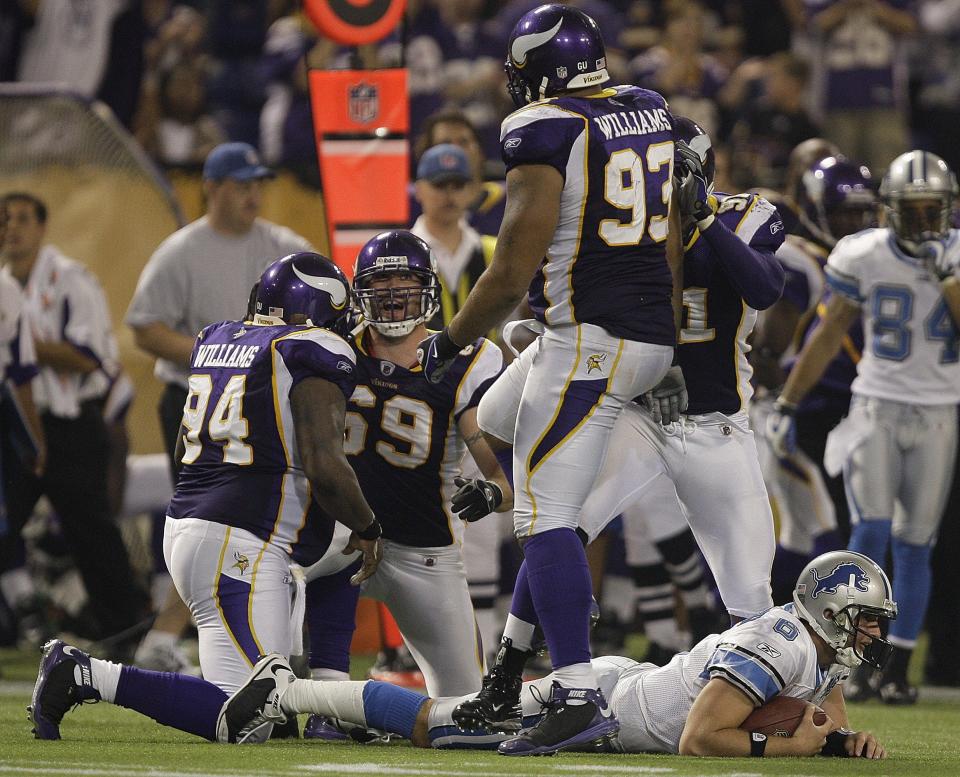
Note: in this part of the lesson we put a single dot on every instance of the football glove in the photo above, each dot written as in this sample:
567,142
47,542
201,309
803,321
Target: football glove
782,428
436,354
693,187
475,498
668,399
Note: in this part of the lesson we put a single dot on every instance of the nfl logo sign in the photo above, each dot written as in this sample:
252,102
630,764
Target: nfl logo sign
363,103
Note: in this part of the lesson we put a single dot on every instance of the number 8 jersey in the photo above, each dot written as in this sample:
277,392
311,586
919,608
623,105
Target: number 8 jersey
911,344
607,262
241,465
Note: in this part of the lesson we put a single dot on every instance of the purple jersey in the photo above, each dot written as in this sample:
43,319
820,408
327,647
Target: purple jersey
403,441
241,465
717,312
607,262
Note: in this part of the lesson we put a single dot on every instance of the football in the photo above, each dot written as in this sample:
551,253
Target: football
780,717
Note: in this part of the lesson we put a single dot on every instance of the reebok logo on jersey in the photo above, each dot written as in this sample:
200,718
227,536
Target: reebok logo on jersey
769,650
514,142
344,366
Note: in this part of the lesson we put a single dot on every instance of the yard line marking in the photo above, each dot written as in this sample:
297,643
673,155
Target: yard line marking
373,768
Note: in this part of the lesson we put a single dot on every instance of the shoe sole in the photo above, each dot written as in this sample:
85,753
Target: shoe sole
262,732
599,734
469,722
42,728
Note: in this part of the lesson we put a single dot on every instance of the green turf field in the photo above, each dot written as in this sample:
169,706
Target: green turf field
101,740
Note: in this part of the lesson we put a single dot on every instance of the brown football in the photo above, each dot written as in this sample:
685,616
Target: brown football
780,717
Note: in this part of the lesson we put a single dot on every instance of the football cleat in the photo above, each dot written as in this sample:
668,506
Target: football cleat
897,692
496,708
322,727
862,685
63,682
248,717
566,726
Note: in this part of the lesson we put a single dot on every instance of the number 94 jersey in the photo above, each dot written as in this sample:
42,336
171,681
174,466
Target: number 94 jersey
911,343
403,442
241,465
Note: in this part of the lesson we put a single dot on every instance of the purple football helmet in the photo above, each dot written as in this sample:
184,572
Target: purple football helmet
554,48
697,138
838,198
305,283
396,311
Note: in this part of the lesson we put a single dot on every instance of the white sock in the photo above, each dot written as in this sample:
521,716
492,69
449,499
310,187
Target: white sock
343,700
322,673
105,677
519,632
576,676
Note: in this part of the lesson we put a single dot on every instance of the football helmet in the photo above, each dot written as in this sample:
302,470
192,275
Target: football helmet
303,283
554,48
918,192
831,594
837,197
696,137
397,252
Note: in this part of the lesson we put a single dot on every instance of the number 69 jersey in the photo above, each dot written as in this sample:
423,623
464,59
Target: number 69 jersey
606,264
241,465
404,444
911,344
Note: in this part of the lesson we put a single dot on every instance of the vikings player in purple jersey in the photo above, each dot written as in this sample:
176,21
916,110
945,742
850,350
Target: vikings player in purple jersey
264,479
589,220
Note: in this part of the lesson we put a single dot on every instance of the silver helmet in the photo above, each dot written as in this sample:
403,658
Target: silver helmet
915,177
833,591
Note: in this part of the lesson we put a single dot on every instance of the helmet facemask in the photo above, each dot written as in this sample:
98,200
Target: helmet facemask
379,306
919,219
877,652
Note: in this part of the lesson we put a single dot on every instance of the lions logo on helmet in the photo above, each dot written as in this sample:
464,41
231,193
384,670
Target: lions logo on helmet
398,310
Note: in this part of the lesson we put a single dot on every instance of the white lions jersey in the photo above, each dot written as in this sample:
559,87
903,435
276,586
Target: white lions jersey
768,655
912,346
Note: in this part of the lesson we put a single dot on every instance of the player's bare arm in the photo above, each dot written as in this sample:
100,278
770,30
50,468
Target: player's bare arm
64,357
318,415
159,340
532,212
713,727
820,350
484,457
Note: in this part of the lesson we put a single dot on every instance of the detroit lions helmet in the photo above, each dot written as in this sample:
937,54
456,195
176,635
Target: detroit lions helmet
831,594
915,178
837,197
554,48
304,283
696,137
389,311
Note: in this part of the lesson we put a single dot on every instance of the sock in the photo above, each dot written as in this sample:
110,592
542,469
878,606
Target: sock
505,460
896,669
104,676
185,703
787,566
522,604
332,619
871,537
681,557
561,591
911,571
342,700
392,709
655,604
519,632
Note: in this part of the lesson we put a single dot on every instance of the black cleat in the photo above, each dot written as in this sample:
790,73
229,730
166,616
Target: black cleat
64,681
897,692
496,708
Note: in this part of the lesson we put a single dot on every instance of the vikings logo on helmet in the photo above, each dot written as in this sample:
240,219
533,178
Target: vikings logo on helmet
306,284
848,574
241,563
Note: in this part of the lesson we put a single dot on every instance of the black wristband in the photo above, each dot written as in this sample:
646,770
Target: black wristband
758,744
836,744
446,348
372,532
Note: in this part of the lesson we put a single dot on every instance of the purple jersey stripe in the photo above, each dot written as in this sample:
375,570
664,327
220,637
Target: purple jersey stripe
579,400
233,601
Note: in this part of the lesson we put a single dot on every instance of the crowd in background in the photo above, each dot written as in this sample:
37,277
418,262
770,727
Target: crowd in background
759,76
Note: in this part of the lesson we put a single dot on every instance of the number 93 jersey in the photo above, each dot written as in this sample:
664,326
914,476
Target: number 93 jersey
241,465
606,264
404,444
911,344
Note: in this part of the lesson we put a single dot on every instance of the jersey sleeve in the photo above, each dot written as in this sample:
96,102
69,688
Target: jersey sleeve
761,227
844,269
484,369
760,657
804,278
319,354
540,135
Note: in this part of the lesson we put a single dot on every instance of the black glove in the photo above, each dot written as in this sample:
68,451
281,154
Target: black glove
836,744
436,354
475,498
693,188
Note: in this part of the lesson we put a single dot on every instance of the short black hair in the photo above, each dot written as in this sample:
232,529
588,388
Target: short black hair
39,206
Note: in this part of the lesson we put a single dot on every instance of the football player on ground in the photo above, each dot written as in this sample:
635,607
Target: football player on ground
588,218
694,705
263,475
405,439
897,445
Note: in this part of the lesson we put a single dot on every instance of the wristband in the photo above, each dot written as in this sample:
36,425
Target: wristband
785,408
758,743
836,744
372,532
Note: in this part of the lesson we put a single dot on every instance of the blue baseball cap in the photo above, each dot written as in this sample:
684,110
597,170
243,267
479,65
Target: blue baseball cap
239,161
443,163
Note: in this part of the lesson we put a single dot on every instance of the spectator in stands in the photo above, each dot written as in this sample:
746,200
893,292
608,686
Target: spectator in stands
860,65
76,355
201,274
771,127
174,126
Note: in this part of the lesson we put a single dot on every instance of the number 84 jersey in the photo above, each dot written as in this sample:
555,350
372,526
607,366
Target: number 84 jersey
911,343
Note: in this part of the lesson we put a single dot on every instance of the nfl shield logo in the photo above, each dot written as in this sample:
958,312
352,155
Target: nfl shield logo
363,103
387,368
561,72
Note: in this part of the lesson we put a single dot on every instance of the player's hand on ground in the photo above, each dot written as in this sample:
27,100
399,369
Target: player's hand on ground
436,353
782,429
863,744
372,551
669,397
809,737
475,498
